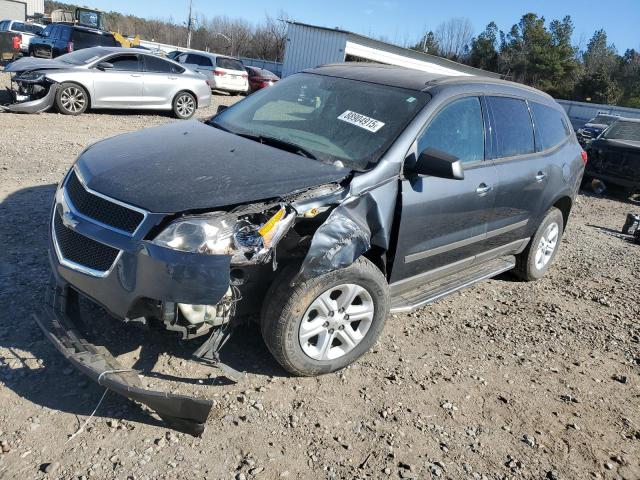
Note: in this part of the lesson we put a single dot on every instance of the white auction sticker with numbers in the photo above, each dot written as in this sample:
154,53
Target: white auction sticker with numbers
361,121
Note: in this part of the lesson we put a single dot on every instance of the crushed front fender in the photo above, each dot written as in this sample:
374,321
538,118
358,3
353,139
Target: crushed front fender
183,413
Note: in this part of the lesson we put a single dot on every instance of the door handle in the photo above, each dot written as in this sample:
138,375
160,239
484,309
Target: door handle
172,78
136,75
540,176
483,189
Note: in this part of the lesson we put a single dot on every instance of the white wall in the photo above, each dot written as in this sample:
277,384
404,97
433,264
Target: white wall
308,47
35,6
581,112
12,10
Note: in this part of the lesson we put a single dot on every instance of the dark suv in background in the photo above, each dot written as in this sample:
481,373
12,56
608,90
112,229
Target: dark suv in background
60,38
384,190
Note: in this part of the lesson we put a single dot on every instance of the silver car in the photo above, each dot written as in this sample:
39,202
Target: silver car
105,77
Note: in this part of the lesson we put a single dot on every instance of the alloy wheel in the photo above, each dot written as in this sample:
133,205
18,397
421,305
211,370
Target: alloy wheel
185,105
336,322
547,245
73,99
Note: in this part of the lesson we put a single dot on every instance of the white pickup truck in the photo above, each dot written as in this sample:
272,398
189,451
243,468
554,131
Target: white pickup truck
26,31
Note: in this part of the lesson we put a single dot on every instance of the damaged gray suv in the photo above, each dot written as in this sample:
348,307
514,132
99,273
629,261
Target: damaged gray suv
318,206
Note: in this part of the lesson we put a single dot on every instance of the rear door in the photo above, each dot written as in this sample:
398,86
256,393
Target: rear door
523,172
120,86
161,80
443,222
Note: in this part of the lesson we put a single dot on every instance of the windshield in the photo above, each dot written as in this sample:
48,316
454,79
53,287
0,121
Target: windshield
330,119
603,120
84,56
622,130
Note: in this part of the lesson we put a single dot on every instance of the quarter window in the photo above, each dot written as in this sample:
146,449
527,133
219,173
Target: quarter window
229,64
157,65
550,125
513,127
458,130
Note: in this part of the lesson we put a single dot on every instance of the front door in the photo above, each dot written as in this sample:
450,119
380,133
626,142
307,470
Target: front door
443,222
120,86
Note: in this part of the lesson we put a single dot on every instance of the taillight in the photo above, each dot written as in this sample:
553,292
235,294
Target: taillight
69,47
17,40
585,157
245,75
219,73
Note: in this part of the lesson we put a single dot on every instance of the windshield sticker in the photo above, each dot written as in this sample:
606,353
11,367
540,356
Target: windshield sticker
361,121
411,99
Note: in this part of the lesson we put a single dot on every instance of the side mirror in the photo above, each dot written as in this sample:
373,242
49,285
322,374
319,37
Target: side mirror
104,66
436,163
221,108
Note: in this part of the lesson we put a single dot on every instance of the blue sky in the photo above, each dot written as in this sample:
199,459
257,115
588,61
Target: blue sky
404,20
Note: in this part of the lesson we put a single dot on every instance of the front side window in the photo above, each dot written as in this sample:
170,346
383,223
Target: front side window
18,27
47,31
125,63
458,129
550,124
512,125
332,119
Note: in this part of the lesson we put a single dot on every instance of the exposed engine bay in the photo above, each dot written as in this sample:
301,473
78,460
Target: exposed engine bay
31,92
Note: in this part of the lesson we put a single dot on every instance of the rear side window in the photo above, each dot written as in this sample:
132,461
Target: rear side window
550,125
85,39
458,130
512,125
157,65
32,28
18,27
229,63
127,63
199,60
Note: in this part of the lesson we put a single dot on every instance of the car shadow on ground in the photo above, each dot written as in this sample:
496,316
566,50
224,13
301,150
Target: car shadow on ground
33,369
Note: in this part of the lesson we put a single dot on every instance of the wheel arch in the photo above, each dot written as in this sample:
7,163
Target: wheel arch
564,204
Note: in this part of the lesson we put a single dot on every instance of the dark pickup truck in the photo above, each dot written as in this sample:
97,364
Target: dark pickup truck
614,157
60,38
9,46
391,189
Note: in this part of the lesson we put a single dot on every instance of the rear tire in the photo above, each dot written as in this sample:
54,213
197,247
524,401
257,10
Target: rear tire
184,105
72,99
295,309
534,262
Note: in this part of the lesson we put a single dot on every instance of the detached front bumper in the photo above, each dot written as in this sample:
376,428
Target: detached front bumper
57,322
33,106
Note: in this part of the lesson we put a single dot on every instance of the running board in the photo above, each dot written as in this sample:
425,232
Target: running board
432,291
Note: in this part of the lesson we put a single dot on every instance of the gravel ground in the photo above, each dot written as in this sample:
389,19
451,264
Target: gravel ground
503,380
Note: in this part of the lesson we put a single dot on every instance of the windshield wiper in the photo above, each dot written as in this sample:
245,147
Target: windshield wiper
279,143
266,140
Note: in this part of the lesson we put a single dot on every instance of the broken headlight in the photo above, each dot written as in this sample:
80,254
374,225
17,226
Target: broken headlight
245,237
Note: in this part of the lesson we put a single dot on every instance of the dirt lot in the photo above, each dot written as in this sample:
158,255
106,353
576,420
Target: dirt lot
504,380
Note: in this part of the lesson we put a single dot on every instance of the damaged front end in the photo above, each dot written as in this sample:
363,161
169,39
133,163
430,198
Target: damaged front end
31,92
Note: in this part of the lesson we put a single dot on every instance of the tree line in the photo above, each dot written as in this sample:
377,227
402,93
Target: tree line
533,51
542,55
221,34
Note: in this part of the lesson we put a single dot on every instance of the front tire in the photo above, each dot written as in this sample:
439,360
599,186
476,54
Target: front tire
184,105
325,323
72,99
534,262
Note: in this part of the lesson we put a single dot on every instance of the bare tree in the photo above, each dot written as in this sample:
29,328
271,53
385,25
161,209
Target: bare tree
454,37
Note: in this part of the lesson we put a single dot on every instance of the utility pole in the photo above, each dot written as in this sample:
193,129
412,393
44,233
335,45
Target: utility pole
189,25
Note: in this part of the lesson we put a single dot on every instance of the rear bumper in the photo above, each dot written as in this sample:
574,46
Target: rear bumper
56,320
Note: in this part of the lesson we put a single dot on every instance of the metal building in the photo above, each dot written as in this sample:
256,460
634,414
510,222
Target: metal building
309,46
20,9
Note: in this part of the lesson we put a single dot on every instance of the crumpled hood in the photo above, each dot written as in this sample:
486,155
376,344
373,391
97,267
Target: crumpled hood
189,165
27,64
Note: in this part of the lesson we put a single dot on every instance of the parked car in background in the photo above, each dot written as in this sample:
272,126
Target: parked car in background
9,47
172,55
225,73
260,78
614,157
595,127
107,77
393,189
25,30
61,38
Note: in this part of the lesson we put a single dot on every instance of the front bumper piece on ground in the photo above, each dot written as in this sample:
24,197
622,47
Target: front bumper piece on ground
56,320
33,106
